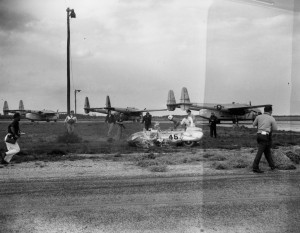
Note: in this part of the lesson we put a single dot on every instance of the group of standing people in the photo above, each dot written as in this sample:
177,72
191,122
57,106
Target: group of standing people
111,120
265,124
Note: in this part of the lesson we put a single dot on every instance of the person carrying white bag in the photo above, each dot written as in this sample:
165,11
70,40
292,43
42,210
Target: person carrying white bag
13,133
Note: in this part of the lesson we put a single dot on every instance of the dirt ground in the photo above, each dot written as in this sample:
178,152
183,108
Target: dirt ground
35,214
102,167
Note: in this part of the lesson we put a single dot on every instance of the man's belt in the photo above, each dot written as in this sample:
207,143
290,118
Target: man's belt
264,133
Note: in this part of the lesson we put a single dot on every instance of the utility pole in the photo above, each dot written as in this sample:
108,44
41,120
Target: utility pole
75,91
70,12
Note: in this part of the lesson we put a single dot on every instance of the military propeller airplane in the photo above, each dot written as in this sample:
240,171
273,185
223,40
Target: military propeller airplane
234,112
33,115
130,113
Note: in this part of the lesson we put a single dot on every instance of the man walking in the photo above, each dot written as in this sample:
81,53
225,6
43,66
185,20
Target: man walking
265,124
213,125
13,133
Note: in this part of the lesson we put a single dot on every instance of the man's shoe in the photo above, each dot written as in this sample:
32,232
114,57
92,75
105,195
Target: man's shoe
258,171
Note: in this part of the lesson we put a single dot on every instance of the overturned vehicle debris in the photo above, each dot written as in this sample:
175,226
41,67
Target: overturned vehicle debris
146,139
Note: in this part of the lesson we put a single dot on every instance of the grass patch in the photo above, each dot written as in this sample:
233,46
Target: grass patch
208,155
42,140
293,157
286,167
69,138
158,168
57,152
240,163
220,166
148,163
217,158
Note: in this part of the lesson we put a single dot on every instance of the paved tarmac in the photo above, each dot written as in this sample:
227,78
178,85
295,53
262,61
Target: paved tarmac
208,203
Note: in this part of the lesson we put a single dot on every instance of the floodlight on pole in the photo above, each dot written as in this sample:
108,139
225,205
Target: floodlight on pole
70,13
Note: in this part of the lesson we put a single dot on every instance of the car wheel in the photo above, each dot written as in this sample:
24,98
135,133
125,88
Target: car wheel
189,143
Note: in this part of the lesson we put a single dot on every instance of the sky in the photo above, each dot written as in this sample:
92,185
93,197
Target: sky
135,51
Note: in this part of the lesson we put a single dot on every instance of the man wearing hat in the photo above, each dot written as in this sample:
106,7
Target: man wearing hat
13,133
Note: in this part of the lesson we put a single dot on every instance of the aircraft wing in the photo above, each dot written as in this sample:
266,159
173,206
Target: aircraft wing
22,112
248,106
134,110
225,107
154,110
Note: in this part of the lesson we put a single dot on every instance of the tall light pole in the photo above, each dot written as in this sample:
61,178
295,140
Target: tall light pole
75,91
70,12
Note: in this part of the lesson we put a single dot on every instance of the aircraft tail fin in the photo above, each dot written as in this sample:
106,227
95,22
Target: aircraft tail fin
171,102
5,108
21,105
86,105
184,99
108,104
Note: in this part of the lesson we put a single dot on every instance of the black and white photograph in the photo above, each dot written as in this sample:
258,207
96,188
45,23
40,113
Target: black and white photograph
132,116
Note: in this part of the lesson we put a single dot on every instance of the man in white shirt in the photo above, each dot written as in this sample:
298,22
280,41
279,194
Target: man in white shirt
265,124
70,122
191,118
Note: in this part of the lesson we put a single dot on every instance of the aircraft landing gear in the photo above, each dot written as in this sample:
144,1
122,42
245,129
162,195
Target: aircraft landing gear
235,121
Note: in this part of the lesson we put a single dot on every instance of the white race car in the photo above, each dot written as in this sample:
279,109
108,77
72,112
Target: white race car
150,138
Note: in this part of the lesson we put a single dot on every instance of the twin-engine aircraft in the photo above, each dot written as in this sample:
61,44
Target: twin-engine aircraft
130,113
224,112
33,115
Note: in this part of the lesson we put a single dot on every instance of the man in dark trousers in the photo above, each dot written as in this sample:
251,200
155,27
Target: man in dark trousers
213,125
265,124
147,119
14,133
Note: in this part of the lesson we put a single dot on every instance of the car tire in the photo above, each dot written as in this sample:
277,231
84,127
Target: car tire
189,143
